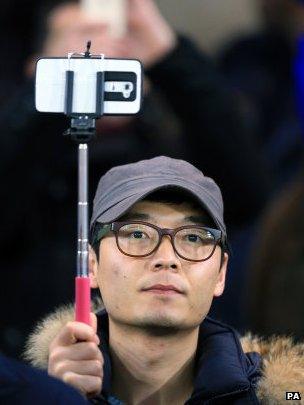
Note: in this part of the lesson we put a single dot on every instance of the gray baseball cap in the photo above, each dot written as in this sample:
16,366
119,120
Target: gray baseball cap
123,186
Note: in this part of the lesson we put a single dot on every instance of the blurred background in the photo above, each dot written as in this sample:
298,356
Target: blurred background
223,89
212,23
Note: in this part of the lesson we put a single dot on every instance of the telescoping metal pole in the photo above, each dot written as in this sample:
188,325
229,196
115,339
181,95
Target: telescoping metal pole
82,307
82,130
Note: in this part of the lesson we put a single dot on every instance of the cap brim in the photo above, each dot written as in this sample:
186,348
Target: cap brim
128,201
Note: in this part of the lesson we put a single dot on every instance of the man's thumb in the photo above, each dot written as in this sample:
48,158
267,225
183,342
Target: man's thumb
93,318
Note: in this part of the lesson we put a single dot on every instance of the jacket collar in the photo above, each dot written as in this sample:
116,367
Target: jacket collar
222,368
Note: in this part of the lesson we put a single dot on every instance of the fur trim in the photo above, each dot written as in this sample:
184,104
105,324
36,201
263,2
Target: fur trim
282,368
37,345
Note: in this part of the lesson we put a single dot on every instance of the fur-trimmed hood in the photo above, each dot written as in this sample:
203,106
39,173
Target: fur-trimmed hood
282,360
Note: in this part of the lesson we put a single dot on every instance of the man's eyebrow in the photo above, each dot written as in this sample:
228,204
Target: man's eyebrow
135,216
193,219
199,219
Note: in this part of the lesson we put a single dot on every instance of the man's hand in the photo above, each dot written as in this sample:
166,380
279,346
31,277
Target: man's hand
69,29
74,357
149,36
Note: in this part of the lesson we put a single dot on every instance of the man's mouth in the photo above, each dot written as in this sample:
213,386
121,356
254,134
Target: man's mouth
163,289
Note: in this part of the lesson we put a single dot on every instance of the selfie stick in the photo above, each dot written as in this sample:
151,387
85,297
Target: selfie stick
82,130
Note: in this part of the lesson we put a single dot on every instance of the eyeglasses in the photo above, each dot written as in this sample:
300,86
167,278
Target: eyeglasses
139,239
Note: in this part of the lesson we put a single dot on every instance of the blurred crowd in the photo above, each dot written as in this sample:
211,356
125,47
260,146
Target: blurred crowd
235,115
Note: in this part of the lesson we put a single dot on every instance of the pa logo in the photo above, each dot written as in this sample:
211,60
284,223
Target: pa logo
293,396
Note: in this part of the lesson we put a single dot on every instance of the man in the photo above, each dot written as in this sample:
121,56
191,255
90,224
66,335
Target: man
159,255
266,71
261,68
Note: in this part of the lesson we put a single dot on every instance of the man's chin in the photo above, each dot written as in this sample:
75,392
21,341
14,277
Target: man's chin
160,324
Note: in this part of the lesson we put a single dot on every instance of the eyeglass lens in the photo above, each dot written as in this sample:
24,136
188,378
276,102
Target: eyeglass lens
141,239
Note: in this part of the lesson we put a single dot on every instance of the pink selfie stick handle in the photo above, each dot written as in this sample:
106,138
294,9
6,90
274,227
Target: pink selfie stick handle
82,300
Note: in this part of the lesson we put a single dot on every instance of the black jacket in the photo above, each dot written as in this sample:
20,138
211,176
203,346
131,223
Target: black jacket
261,69
224,374
228,369
24,385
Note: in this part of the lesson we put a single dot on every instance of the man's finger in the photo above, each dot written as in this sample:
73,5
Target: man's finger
73,332
77,352
85,384
90,368
93,319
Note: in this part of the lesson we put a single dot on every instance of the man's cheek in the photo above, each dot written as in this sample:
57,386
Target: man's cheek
110,270
119,273
115,282
200,301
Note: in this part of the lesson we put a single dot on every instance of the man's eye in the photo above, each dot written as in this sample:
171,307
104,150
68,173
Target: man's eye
137,235
193,238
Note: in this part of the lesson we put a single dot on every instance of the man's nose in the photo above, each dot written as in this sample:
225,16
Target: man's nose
165,257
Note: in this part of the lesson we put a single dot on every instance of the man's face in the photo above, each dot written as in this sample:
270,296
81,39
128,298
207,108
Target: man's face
123,280
281,14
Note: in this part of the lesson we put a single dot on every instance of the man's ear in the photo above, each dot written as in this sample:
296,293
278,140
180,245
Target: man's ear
220,285
93,268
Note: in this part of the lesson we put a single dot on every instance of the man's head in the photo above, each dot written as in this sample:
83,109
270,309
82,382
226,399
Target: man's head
163,257
283,16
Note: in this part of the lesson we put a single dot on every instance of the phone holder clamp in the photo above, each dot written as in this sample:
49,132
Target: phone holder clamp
83,125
